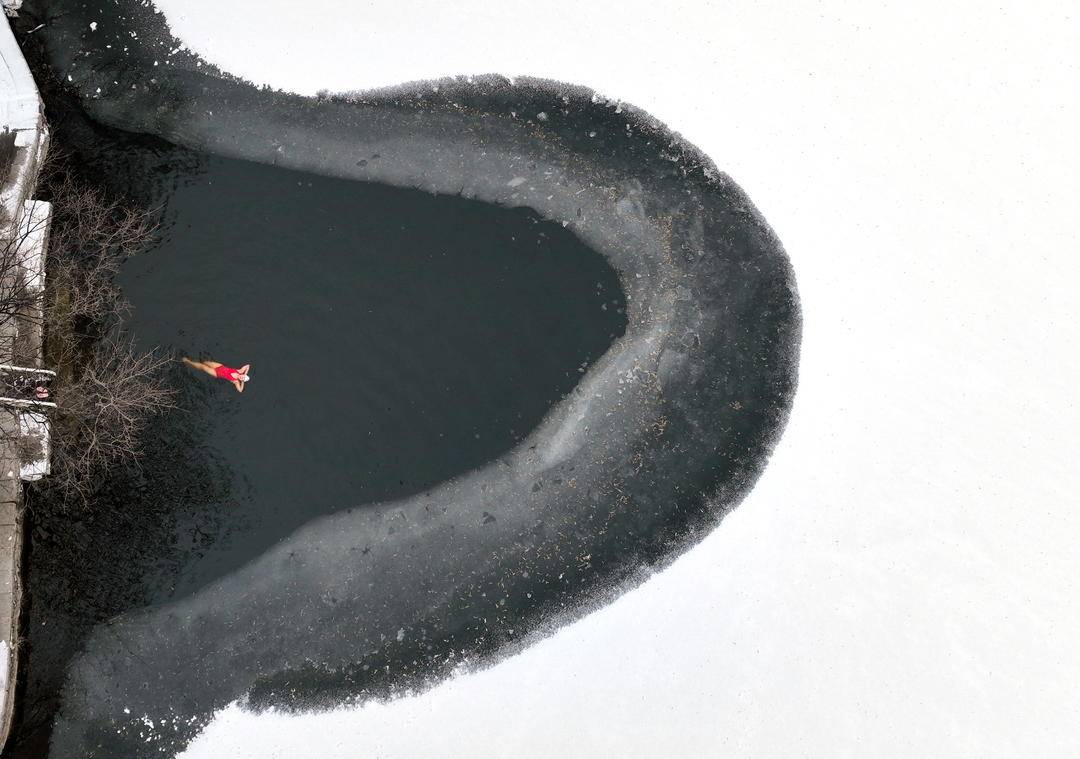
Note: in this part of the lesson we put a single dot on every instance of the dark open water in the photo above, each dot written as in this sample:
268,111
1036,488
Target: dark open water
396,339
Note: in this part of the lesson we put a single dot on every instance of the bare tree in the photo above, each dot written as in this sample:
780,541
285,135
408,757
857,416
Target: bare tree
92,235
102,414
106,391
20,300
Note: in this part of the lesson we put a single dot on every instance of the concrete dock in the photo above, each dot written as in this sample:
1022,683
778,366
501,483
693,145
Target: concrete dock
23,143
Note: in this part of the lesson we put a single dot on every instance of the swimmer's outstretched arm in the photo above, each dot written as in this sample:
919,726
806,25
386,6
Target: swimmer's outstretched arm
239,385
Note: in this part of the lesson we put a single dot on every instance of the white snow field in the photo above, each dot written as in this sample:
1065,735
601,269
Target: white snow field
903,580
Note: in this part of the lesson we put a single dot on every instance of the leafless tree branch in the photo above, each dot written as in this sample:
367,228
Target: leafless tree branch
106,391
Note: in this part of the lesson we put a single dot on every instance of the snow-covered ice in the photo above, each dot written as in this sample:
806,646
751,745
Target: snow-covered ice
902,581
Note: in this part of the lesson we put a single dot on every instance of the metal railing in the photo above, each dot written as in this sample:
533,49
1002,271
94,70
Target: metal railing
44,374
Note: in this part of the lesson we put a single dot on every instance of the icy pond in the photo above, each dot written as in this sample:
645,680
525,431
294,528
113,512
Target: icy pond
514,347
397,339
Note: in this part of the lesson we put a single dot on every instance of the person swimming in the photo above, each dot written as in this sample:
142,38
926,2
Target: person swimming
215,369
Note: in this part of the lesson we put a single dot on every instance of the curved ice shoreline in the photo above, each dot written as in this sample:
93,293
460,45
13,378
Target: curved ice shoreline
662,436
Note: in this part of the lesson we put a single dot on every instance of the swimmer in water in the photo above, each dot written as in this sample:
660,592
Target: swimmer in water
236,376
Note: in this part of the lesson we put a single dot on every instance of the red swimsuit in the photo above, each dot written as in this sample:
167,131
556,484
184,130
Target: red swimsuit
227,373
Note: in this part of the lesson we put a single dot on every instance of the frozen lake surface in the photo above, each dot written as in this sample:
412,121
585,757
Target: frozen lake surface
312,603
397,339
902,581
